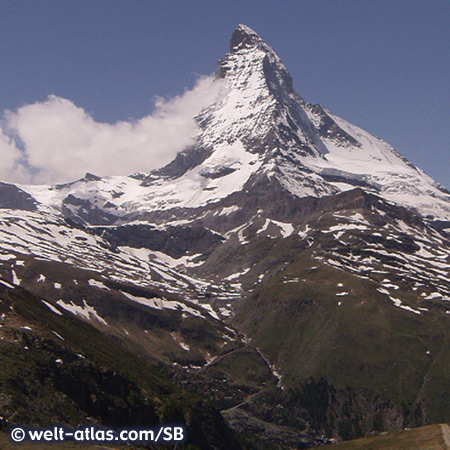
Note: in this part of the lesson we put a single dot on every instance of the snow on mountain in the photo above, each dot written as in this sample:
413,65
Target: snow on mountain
375,163
258,136
47,237
258,127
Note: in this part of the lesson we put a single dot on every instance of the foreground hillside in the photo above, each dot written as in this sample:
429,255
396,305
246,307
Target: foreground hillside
432,437
55,368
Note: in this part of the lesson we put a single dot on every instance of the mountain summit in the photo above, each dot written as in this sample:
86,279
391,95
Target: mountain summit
244,36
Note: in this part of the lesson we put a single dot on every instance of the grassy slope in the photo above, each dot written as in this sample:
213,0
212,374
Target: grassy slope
424,438
365,342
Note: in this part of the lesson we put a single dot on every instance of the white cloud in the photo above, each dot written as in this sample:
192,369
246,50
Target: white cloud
11,168
61,141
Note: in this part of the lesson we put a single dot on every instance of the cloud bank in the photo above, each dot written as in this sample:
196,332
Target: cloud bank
56,141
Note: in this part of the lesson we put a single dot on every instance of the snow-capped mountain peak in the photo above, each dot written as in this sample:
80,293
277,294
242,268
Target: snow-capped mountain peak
310,151
258,130
244,36
259,98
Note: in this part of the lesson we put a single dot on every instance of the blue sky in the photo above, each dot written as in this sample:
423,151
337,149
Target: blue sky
383,65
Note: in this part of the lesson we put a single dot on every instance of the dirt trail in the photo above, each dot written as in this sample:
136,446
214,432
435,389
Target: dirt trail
446,435
219,358
247,400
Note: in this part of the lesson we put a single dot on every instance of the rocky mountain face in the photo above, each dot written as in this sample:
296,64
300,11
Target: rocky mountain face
290,264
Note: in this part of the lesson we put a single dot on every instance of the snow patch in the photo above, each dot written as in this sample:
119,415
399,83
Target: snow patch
15,279
228,210
6,284
97,284
58,335
162,303
86,311
236,275
52,308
